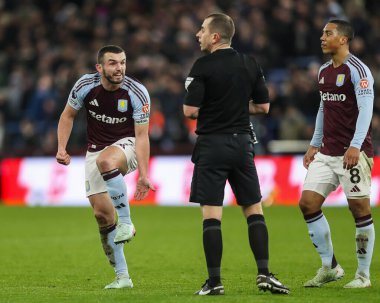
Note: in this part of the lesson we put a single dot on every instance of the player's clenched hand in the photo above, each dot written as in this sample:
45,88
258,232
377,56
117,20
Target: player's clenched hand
142,188
63,157
351,157
309,156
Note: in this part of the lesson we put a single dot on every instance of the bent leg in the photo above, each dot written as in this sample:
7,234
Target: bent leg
112,164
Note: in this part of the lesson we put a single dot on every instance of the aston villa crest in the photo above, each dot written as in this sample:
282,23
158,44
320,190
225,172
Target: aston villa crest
122,105
339,80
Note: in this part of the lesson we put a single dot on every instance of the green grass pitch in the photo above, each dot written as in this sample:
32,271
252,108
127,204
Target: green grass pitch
54,255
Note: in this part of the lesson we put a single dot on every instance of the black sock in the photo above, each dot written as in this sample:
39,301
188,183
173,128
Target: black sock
213,248
258,239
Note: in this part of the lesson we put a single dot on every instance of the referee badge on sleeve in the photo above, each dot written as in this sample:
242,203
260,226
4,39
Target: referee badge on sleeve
188,82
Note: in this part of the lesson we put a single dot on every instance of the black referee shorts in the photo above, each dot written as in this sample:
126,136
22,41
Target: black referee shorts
219,158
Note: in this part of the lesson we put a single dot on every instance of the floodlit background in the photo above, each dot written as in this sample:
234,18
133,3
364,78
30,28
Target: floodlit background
45,46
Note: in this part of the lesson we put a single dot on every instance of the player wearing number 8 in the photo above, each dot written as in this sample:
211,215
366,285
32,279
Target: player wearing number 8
341,153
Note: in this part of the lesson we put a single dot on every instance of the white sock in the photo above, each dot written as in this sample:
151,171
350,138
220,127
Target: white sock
319,232
114,252
365,239
118,192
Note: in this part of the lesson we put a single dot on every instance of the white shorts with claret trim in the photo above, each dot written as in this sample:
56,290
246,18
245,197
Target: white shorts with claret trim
326,173
94,181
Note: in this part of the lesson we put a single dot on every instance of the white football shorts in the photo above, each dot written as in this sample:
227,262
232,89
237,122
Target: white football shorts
94,181
326,173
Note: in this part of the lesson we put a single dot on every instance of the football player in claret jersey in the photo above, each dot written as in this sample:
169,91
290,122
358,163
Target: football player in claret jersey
341,153
117,108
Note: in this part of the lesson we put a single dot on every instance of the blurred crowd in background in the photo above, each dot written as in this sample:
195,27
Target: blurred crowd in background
45,46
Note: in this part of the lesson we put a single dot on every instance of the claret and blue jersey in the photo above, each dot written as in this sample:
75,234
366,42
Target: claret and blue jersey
345,91
111,115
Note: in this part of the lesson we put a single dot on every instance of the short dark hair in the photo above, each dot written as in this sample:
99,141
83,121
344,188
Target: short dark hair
223,25
344,28
108,49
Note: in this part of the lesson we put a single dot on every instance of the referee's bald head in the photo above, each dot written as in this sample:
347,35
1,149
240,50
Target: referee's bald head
223,25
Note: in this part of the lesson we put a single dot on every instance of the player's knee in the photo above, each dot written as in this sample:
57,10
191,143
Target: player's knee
359,208
306,206
104,164
255,209
310,202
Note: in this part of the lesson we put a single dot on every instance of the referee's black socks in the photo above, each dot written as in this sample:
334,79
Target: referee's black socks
258,240
213,247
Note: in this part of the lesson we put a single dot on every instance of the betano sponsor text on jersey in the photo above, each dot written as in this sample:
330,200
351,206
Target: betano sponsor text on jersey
332,97
107,119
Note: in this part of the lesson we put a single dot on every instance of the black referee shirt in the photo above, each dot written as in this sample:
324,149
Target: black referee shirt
221,86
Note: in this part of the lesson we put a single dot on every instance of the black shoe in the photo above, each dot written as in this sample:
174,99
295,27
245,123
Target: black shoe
210,291
270,283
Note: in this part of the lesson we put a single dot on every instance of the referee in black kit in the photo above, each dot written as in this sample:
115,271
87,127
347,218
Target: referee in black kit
223,89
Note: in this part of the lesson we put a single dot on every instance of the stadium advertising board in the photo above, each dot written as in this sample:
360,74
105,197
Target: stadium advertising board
43,182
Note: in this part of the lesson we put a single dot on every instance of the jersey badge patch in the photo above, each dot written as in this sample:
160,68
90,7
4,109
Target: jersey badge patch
339,80
122,105
145,108
188,81
363,83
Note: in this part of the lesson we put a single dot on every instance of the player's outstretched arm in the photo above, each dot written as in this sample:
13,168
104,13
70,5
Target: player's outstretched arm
65,126
142,154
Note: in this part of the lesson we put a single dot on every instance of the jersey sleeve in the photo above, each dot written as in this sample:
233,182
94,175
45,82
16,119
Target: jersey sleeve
318,130
260,94
317,138
363,85
141,103
78,93
195,86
